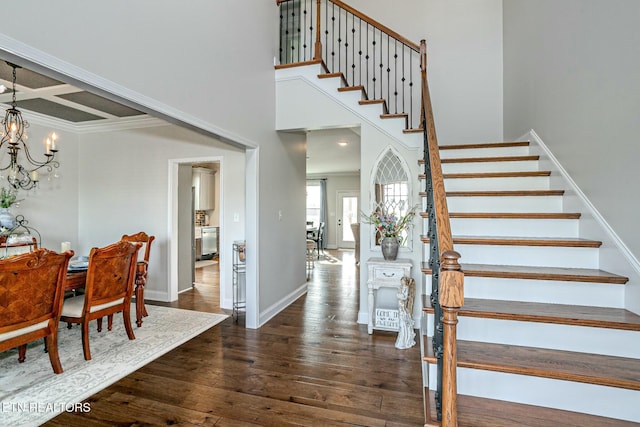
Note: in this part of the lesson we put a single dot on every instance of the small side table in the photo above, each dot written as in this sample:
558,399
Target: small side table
383,273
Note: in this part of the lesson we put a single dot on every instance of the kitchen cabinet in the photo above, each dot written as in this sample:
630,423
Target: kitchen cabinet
204,184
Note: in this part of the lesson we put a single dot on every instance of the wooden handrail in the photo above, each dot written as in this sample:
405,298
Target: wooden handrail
451,277
366,19
376,24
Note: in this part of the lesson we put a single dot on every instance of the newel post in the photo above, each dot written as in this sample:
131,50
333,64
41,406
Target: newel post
451,299
318,45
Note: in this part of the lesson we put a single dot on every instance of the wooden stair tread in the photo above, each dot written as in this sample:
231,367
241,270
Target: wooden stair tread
524,174
485,145
585,275
515,215
490,159
350,88
564,314
394,116
480,412
371,101
543,273
329,75
611,371
523,241
415,130
506,193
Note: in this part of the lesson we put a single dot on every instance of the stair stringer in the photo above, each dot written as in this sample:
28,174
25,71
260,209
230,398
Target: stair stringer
548,392
614,255
306,102
392,128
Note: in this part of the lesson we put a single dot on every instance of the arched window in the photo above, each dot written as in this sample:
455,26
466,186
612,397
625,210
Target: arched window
391,187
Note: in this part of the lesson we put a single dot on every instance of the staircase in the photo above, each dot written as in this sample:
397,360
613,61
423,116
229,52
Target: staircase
543,338
542,326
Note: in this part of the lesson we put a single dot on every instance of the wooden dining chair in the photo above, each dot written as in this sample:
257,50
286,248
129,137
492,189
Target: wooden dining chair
108,289
143,268
31,295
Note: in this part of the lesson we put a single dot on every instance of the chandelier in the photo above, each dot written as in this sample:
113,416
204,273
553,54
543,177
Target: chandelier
14,136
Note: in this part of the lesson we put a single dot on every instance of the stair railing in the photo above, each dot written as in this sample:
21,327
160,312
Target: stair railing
362,51
447,278
368,55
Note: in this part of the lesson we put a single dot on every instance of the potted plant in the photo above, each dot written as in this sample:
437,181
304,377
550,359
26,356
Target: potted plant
7,198
390,226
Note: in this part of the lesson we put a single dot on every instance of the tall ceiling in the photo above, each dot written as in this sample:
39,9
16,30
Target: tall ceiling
41,94
49,97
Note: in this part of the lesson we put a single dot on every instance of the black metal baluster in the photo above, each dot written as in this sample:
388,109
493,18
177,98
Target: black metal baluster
282,61
340,42
326,33
411,88
404,107
353,49
389,70
373,64
333,37
367,57
360,50
304,32
395,74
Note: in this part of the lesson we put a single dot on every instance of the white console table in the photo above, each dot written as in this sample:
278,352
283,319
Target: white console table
383,273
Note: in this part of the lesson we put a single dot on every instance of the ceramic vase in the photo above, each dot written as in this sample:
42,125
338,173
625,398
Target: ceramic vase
390,246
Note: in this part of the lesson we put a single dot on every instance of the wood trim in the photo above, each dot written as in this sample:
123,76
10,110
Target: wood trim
611,371
377,25
298,64
486,145
516,215
522,241
491,159
506,193
525,174
557,314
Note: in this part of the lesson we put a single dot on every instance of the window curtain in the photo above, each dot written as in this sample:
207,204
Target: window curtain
323,210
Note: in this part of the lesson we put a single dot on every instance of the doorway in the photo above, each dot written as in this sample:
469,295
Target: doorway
348,209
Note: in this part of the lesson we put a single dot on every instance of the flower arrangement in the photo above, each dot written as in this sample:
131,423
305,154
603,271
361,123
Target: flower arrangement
7,197
390,224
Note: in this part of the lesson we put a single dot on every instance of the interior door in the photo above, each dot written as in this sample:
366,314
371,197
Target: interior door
348,213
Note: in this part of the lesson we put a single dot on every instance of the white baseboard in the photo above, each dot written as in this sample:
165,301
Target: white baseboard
276,308
153,295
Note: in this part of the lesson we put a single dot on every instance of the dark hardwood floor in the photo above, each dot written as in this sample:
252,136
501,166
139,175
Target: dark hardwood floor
311,365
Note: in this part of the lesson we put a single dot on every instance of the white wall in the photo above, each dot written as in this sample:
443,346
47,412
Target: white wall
335,183
209,65
464,55
129,192
571,74
53,209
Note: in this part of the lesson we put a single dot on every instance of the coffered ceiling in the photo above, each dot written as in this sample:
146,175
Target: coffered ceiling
78,108
41,94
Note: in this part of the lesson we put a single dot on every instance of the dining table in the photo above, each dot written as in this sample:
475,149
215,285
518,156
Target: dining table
77,278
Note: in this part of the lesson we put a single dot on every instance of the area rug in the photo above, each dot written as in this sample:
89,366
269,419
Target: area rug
30,393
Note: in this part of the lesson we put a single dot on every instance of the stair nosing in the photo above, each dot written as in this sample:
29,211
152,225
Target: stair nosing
515,215
523,241
492,159
485,145
465,360
555,274
536,316
505,193
480,175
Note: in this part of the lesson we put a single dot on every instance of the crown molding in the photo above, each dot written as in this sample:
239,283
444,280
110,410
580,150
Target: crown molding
25,55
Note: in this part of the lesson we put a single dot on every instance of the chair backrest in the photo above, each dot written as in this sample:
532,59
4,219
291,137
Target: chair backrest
32,288
143,238
321,230
310,223
111,274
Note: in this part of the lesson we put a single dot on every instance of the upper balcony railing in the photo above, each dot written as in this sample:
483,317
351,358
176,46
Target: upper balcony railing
365,52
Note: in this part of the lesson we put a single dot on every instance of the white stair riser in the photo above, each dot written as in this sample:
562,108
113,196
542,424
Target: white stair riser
495,184
570,396
546,291
514,227
529,255
612,342
484,152
529,165
543,291
505,204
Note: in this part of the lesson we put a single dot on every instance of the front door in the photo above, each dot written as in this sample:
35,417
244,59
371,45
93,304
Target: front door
347,215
